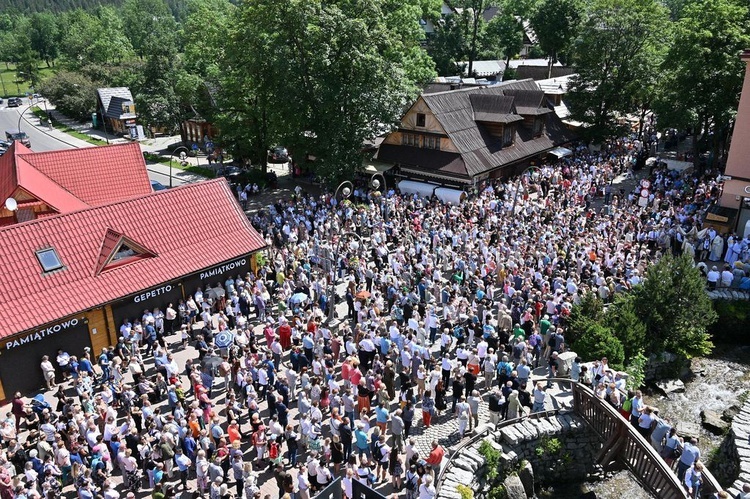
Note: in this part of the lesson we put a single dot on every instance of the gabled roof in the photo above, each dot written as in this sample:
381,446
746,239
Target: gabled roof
106,94
114,110
183,238
73,179
479,150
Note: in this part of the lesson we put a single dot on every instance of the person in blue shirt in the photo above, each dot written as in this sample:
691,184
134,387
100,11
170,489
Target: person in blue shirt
385,345
381,417
363,446
104,364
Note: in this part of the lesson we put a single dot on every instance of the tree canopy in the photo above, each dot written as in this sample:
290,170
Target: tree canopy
320,77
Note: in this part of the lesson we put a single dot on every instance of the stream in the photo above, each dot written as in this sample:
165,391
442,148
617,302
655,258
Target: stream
724,376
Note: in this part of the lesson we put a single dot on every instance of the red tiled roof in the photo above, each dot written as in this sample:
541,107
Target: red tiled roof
95,175
184,238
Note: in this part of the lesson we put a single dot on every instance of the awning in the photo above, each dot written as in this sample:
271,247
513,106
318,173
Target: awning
422,189
561,152
673,164
450,196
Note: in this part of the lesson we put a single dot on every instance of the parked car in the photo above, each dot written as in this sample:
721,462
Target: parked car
231,173
14,102
1,100
18,135
278,154
158,186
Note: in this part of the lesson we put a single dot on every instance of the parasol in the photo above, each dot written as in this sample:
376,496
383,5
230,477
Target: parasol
362,295
224,339
298,297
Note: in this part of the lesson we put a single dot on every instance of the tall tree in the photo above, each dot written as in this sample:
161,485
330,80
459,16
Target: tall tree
333,73
619,43
556,24
150,26
44,35
504,35
472,15
701,76
673,304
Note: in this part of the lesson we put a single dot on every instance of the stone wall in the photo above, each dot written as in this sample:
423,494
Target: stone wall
559,448
735,451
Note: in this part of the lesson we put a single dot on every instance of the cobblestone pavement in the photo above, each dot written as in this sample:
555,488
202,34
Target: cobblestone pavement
444,428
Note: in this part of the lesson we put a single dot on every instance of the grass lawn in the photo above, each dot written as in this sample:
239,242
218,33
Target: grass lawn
198,170
8,86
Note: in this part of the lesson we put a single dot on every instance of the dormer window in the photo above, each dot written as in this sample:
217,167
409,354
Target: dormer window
538,126
49,259
508,133
421,120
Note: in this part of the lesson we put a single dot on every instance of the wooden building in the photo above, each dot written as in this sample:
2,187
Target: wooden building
86,256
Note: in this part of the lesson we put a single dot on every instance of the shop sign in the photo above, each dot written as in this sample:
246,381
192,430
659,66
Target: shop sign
223,268
152,293
747,189
42,333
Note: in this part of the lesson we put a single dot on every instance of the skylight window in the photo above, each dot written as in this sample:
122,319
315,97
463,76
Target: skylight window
49,260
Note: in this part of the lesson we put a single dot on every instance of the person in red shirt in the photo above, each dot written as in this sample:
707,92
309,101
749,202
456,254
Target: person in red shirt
436,457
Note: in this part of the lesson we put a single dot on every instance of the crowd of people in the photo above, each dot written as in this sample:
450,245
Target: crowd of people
449,309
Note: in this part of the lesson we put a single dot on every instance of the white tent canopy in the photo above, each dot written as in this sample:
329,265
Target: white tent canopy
561,152
450,196
422,189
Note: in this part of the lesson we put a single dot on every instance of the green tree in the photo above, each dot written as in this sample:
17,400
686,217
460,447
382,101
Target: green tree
597,341
44,36
334,74
619,42
447,46
556,24
73,94
673,304
622,318
503,35
150,27
589,311
701,76
111,45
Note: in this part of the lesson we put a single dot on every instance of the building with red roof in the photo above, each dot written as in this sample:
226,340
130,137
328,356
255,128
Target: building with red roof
73,272
48,183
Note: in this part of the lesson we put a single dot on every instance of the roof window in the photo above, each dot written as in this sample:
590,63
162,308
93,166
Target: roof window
49,259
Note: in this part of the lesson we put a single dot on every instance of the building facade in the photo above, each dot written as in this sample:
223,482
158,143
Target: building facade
735,198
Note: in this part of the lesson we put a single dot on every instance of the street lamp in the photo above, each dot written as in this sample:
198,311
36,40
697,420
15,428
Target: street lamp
336,256
518,187
171,157
375,185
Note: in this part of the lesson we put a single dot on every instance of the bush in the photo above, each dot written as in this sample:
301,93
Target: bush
673,304
491,459
733,321
597,341
582,316
622,318
465,492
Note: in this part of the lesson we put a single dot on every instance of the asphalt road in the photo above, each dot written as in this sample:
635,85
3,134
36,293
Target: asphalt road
40,141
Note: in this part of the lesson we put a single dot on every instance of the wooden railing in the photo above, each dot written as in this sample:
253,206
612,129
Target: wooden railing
623,445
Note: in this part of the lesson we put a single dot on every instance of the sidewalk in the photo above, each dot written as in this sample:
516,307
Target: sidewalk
34,121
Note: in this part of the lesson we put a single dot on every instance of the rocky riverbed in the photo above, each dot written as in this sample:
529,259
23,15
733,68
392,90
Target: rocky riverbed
719,383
